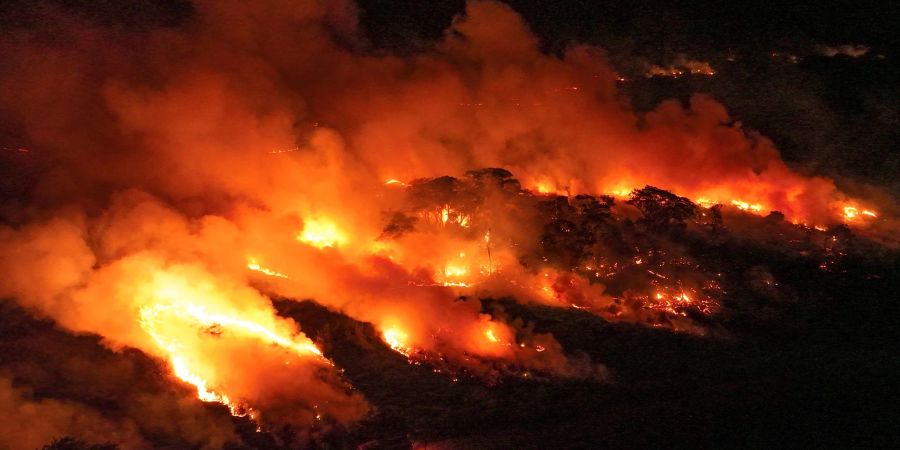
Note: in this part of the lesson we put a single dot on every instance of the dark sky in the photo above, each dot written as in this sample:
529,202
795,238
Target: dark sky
658,24
647,24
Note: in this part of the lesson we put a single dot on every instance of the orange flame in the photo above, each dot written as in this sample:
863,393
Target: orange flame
321,233
254,265
178,312
397,340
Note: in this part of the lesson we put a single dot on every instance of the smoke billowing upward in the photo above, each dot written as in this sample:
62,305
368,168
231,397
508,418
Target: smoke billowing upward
180,176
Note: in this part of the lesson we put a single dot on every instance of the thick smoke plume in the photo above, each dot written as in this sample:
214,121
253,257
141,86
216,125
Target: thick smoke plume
261,134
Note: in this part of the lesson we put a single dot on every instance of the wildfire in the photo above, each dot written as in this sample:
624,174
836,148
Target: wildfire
455,271
852,212
253,265
847,213
658,71
677,302
681,65
179,325
621,192
699,68
445,216
453,274
397,340
458,270
548,187
186,179
494,339
321,233
746,206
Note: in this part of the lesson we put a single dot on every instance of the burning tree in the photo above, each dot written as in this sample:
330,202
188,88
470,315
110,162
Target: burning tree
662,210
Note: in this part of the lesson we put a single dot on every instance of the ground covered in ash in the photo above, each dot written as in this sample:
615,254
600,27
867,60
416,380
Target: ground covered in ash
801,350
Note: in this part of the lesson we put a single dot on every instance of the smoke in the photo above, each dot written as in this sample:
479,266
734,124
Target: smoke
196,111
265,132
30,423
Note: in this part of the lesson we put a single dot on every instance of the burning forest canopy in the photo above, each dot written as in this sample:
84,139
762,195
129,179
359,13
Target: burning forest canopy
248,227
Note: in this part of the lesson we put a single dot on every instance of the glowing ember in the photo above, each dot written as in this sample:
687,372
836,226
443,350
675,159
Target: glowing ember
681,65
321,233
699,68
678,302
658,71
